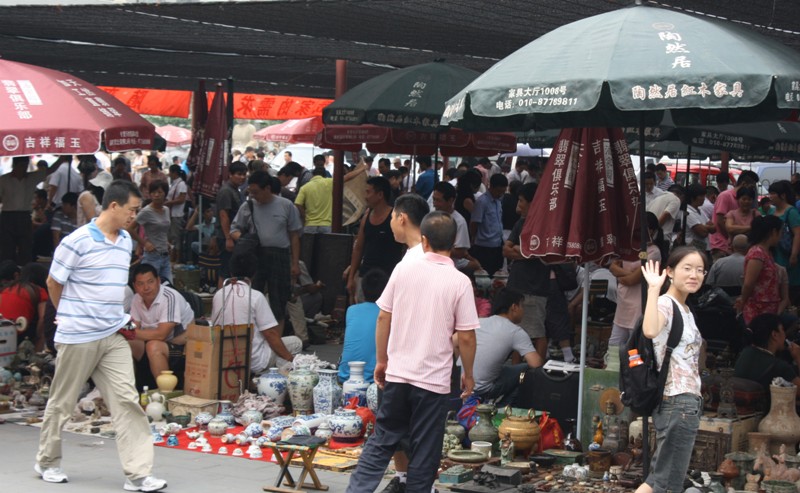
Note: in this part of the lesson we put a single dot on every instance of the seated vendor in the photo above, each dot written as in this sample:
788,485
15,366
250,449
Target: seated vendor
161,315
759,362
237,304
497,337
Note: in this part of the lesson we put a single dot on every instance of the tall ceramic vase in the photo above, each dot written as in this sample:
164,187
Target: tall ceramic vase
782,421
301,389
327,393
356,386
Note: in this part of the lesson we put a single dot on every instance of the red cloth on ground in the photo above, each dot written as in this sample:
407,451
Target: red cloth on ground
216,443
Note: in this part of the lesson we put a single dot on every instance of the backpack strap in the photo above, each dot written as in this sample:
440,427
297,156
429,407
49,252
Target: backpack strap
675,334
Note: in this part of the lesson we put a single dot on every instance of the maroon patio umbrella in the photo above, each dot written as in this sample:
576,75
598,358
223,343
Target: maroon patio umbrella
299,131
212,170
587,205
44,111
175,136
199,118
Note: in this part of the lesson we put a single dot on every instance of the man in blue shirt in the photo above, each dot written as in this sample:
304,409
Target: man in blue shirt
424,186
486,226
359,334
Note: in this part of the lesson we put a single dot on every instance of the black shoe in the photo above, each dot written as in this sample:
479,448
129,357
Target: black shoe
394,486
306,345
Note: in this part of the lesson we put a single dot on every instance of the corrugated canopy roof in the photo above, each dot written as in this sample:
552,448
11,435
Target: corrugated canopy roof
289,47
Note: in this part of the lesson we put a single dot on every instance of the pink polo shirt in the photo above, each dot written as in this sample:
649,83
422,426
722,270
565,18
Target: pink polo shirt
726,202
428,299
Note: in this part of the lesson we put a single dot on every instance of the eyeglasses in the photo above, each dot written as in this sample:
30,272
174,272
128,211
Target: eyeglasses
699,271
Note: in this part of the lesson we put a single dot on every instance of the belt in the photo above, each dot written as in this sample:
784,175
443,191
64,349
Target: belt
155,252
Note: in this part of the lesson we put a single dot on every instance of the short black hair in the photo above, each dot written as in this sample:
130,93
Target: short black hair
762,328
158,185
661,167
695,190
440,230
649,175
447,190
70,198
8,269
141,269
384,161
504,299
291,168
20,161
244,265
498,180
152,158
677,189
373,284
320,158
745,191
318,172
237,168
261,179
175,168
747,176
120,191
381,184
527,191
723,178
413,206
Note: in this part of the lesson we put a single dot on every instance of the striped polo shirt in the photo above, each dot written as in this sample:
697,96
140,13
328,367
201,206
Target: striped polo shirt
428,299
94,273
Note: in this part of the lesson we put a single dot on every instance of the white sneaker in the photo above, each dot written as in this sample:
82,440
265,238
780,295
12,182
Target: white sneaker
150,483
51,474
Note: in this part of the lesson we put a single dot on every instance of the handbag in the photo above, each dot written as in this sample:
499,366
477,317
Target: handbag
550,433
787,236
248,242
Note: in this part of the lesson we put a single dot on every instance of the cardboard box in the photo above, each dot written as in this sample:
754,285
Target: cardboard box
736,428
210,354
8,344
192,406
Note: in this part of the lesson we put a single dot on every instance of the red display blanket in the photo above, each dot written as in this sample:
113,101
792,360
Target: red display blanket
216,443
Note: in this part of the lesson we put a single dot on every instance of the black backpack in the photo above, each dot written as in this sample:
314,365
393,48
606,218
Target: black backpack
642,386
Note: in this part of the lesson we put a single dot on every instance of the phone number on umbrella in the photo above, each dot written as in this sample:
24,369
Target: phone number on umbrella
509,104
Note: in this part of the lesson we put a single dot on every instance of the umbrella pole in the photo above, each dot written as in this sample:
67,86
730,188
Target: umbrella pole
584,323
643,257
686,186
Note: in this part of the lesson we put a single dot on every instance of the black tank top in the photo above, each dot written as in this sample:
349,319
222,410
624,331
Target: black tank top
380,249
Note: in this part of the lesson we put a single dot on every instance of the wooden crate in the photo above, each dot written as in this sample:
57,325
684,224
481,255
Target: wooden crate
737,429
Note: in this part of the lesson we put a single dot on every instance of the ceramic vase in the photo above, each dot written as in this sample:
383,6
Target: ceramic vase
346,425
356,386
782,421
327,393
217,427
484,430
226,414
273,385
155,410
372,397
202,419
301,389
250,416
166,381
324,431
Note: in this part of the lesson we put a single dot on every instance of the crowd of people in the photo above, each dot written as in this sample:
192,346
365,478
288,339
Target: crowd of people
420,243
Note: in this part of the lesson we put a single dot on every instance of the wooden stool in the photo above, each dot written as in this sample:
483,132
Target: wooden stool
307,454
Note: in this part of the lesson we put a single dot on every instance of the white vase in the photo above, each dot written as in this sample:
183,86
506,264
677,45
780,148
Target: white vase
346,425
356,386
327,393
273,385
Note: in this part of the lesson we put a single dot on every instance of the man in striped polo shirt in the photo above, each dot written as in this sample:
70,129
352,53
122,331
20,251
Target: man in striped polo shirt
426,300
87,286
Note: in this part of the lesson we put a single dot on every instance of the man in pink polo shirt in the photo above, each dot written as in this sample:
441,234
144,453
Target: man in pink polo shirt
425,302
726,202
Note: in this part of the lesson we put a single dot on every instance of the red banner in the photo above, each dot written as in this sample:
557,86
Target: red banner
162,102
212,169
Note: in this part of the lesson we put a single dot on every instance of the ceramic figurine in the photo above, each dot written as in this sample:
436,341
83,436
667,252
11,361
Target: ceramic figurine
356,386
273,385
327,393
598,429
506,449
752,482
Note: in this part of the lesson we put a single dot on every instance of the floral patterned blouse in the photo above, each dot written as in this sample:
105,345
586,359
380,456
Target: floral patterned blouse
766,294
684,368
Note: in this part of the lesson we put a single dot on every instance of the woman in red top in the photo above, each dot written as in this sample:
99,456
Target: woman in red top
761,288
27,298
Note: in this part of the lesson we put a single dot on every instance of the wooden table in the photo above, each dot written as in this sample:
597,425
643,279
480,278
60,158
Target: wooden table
306,453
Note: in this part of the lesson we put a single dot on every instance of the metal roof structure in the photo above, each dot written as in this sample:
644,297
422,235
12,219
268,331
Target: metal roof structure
289,47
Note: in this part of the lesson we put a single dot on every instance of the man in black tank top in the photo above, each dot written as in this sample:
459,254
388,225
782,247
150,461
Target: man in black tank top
374,245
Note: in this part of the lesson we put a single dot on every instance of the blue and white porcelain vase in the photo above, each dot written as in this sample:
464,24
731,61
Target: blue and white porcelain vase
356,386
346,425
273,385
225,413
301,389
372,397
327,393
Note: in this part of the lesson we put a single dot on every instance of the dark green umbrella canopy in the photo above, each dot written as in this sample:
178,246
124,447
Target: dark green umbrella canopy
412,97
615,68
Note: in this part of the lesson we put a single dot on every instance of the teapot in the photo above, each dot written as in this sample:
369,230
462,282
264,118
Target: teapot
155,410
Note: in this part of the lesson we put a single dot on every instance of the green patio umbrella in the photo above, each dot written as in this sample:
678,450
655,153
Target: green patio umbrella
411,97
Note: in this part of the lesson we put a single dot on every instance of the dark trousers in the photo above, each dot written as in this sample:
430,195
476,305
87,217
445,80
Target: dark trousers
274,273
404,410
16,236
491,258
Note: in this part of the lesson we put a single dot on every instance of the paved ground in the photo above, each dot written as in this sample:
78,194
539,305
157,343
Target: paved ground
93,465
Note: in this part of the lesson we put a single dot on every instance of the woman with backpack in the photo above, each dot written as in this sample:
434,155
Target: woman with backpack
786,255
677,418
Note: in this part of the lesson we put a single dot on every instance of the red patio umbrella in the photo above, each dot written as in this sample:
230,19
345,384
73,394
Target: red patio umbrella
44,111
212,170
587,205
291,131
175,136
452,142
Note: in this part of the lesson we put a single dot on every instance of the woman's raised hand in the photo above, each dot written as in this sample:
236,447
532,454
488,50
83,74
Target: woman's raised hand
653,274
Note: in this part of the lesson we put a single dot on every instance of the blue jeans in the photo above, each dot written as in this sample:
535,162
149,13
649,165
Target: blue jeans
161,262
676,424
310,230
506,386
